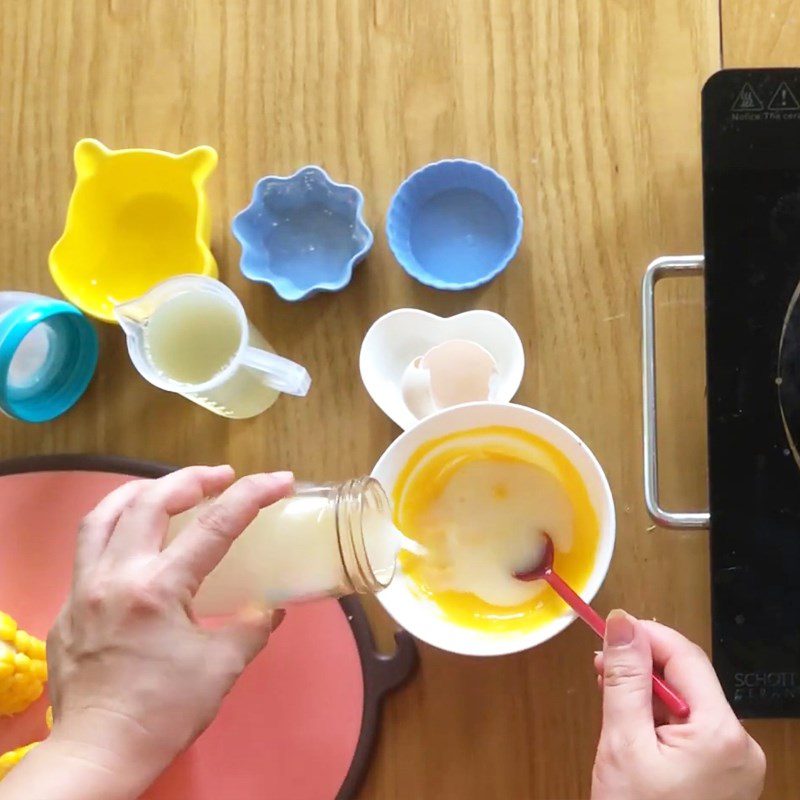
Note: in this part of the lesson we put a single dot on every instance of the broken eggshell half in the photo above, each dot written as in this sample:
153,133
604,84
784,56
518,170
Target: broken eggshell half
414,363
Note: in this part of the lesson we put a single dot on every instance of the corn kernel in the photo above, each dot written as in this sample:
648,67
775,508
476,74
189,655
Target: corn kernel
6,669
37,649
22,662
8,628
38,670
48,717
21,641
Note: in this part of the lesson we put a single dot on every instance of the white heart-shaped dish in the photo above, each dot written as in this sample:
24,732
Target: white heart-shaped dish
397,338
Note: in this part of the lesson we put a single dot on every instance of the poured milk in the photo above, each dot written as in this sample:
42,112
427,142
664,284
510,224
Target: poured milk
486,525
192,337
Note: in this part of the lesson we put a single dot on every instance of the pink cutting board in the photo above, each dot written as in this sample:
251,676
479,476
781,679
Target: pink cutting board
300,722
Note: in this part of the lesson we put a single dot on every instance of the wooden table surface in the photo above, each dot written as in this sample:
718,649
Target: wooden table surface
590,109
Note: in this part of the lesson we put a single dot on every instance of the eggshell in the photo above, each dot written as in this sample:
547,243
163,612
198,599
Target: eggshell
415,385
460,372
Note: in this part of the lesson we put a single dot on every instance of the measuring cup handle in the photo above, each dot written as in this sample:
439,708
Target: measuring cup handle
280,373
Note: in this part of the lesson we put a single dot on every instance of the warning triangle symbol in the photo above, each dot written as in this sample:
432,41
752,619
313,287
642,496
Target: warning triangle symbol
747,100
784,99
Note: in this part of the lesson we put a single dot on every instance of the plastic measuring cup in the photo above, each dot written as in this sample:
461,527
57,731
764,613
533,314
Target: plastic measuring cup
48,355
246,384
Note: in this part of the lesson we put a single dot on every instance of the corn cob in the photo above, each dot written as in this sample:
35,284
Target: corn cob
23,667
10,759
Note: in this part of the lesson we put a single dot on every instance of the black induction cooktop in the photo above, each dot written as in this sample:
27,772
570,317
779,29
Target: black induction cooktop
751,177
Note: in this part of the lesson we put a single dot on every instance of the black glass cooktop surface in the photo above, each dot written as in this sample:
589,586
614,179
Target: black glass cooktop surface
751,176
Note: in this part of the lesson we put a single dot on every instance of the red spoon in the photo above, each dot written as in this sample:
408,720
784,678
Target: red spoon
675,704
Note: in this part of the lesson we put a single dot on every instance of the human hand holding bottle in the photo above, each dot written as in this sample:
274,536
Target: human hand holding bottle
645,755
133,678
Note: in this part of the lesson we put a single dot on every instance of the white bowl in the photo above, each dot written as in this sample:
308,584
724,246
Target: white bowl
421,617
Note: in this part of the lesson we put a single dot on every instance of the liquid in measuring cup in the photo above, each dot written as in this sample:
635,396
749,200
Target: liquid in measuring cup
192,337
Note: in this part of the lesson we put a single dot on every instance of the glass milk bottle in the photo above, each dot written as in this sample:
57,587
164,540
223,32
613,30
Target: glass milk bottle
324,541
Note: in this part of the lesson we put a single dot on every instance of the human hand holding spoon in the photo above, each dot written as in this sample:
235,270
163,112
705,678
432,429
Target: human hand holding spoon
675,704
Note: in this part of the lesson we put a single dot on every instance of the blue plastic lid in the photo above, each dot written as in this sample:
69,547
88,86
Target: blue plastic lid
48,355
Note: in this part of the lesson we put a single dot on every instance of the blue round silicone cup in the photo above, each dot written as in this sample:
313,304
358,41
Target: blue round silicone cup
454,224
48,355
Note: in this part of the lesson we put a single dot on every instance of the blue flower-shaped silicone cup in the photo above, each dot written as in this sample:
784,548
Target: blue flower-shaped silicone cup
454,224
302,234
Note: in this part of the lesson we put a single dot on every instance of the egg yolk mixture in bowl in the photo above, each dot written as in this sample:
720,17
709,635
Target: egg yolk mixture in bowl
478,501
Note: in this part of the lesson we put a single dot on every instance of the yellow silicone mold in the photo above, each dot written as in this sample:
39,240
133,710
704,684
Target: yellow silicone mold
135,218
